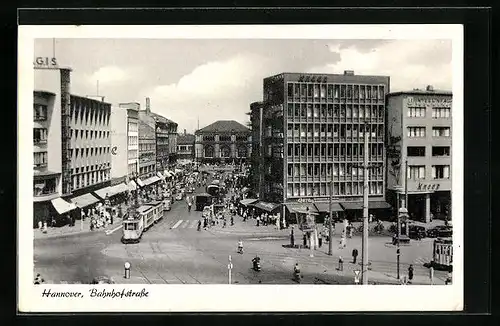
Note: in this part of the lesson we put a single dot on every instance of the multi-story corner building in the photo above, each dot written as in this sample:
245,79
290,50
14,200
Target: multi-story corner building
90,144
147,148
172,141
132,138
223,141
51,141
312,132
185,148
419,133
256,115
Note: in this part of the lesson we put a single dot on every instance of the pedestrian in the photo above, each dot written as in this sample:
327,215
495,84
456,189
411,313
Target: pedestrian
258,220
320,240
341,263
40,225
304,239
354,255
351,229
232,220
410,273
342,242
292,238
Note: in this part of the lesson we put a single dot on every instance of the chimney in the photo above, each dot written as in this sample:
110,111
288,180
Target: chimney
148,105
430,88
348,72
184,132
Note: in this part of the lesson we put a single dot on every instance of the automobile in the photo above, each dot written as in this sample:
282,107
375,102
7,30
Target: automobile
103,280
440,231
416,232
178,196
167,204
206,212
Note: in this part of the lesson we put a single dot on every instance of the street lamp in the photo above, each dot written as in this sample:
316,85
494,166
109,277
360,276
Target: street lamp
127,269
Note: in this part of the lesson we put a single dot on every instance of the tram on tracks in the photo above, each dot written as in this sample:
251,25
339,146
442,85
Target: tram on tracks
147,215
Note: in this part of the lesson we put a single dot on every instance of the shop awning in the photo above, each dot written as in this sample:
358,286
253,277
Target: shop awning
151,180
132,185
84,200
103,192
324,207
302,208
119,188
378,205
62,206
246,202
140,183
359,205
268,207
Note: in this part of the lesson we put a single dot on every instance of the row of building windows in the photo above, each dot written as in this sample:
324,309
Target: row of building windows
133,140
339,189
224,138
225,152
420,112
329,169
39,112
39,135
420,151
132,170
89,134
88,179
93,167
143,147
420,132
415,172
185,147
87,152
145,157
40,159
133,127
333,130
149,169
335,91
89,116
332,149
334,111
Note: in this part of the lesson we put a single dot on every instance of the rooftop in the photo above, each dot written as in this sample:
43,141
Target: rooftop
185,139
89,99
224,126
162,119
429,90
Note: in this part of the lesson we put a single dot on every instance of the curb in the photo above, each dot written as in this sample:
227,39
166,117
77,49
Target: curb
106,231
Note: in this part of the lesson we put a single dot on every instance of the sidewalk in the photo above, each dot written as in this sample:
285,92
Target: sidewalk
53,232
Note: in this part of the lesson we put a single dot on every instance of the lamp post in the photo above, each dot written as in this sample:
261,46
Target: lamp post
127,270
330,222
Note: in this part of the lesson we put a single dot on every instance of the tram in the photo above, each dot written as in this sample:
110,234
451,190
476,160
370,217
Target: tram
213,189
147,215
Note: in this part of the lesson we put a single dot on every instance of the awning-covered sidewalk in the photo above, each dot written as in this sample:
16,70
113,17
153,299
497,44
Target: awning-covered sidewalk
268,207
62,206
301,208
324,207
248,201
112,190
84,200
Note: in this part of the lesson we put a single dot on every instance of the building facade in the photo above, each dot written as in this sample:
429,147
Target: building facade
312,134
50,109
90,148
185,148
419,139
256,120
147,149
132,138
224,141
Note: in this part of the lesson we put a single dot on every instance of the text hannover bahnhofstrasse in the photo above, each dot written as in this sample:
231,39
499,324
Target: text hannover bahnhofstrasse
94,293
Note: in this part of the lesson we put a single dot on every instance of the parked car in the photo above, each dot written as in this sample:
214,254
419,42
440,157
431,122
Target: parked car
416,232
440,231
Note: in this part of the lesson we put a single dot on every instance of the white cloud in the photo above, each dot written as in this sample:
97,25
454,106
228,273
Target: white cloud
212,80
410,64
109,74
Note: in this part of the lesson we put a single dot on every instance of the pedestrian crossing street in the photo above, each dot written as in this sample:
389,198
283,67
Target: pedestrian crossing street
183,224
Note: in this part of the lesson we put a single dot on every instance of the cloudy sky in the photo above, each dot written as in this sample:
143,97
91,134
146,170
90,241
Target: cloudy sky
210,80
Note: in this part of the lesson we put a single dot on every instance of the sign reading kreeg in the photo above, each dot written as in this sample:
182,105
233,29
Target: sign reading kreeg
436,102
45,62
424,186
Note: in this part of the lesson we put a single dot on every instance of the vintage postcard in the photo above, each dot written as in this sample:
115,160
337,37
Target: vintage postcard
240,168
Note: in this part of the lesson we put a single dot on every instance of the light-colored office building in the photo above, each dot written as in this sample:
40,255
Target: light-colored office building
419,137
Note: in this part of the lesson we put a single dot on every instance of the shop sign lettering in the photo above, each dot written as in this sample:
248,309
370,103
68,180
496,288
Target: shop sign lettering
445,102
423,186
45,62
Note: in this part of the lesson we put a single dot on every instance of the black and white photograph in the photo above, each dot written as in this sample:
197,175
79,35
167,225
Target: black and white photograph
292,160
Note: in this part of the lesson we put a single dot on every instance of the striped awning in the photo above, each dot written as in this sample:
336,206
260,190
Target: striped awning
302,208
84,200
324,207
62,206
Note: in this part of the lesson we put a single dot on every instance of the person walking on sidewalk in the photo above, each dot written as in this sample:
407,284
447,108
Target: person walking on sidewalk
354,255
320,239
292,238
341,264
410,273
342,241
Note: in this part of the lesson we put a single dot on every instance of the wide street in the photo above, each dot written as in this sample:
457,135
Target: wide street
174,252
